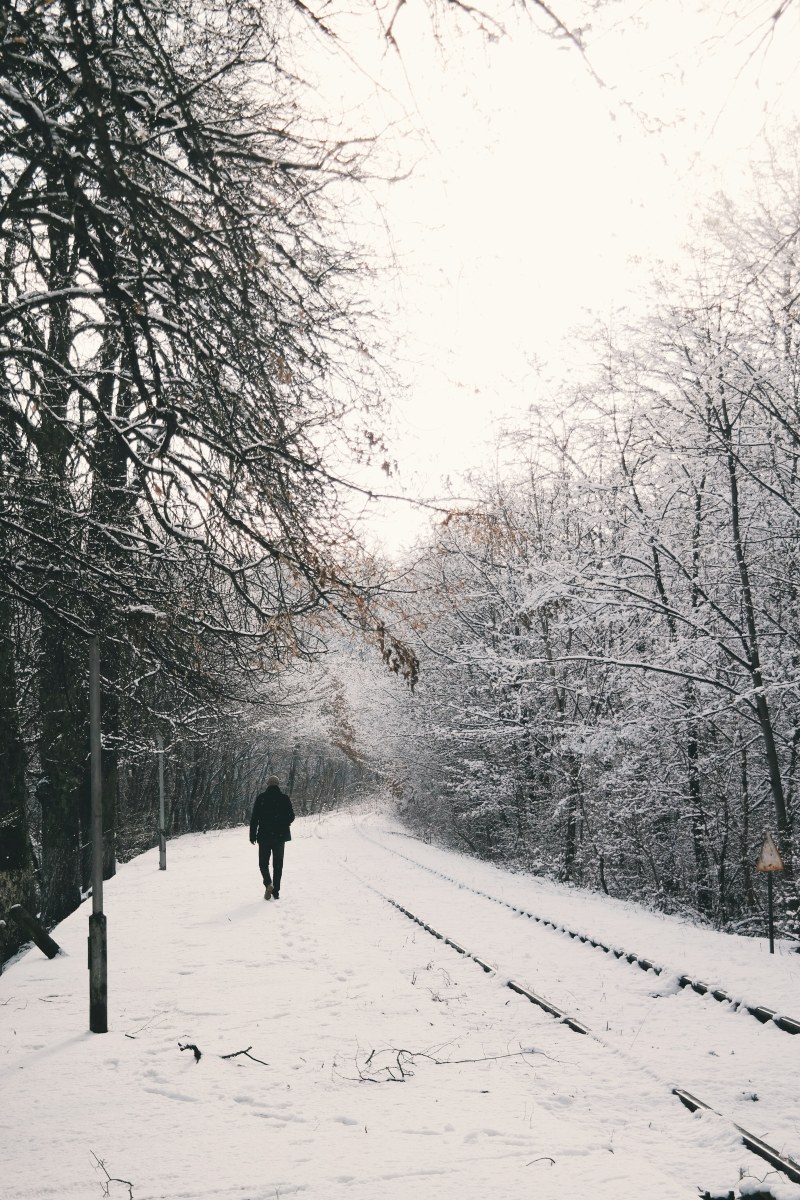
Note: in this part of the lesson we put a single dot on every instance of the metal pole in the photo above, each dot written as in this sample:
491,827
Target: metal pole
162,832
769,908
98,948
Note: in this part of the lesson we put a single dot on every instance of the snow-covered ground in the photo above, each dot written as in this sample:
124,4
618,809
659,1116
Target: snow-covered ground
380,1061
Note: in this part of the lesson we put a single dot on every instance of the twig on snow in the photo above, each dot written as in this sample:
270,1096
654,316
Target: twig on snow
148,1022
109,1179
398,1070
198,1053
246,1054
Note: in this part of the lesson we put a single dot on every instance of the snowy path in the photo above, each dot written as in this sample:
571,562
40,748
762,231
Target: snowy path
507,1102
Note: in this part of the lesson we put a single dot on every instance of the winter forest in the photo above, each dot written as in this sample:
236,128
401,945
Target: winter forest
582,665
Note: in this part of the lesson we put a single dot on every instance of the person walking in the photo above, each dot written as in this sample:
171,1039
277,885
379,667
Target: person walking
269,826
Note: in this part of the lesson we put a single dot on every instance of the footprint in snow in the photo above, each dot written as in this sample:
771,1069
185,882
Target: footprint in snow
479,1133
171,1095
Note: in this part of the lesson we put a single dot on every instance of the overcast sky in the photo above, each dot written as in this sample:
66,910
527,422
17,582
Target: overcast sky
540,197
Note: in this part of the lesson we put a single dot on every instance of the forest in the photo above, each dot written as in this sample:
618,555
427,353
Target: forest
588,671
608,638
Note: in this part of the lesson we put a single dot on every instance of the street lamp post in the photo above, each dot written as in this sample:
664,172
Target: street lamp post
162,832
98,946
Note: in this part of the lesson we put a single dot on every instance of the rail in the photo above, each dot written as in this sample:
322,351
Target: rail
759,1011
756,1145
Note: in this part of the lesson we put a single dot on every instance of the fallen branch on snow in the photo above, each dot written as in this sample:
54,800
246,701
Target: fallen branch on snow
398,1070
246,1054
198,1053
109,1179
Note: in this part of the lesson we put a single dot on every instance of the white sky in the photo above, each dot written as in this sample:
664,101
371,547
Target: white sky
539,199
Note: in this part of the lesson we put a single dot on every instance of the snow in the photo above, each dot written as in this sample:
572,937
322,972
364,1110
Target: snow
389,1063
741,965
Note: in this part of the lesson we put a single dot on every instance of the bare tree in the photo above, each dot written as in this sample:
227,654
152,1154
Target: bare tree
178,341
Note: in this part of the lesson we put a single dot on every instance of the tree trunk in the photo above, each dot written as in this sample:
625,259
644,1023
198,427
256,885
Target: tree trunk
701,859
111,517
703,891
571,837
63,733
747,874
63,757
17,885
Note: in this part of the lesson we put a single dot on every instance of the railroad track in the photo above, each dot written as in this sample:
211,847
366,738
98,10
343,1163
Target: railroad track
760,1011
787,1166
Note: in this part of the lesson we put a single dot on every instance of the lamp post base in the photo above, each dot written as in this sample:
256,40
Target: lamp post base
98,974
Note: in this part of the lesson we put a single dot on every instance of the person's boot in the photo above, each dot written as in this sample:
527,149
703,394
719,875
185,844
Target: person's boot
268,891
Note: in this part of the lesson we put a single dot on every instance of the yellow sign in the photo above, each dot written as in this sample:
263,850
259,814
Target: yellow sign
769,859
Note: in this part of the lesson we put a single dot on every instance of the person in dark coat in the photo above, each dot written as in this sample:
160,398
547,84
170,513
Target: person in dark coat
269,826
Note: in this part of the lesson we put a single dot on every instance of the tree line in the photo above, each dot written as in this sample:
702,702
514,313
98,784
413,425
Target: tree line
182,346
609,636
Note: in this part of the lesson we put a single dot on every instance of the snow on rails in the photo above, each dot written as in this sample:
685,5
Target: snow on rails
756,1145
759,1011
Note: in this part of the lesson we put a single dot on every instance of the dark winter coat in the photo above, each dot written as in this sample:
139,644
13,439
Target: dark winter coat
272,816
